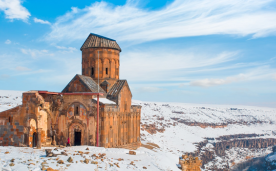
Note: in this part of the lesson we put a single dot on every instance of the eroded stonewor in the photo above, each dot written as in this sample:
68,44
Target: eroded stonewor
48,118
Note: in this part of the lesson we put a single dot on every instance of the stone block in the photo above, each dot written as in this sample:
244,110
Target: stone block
132,152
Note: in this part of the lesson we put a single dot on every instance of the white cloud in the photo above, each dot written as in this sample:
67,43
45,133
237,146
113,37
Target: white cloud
66,49
36,20
165,65
29,72
14,10
8,42
35,52
20,68
181,18
259,73
213,82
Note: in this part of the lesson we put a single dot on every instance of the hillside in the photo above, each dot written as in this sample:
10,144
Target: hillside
221,135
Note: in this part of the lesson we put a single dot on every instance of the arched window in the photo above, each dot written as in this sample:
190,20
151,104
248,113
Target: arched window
125,106
106,71
76,111
117,72
92,71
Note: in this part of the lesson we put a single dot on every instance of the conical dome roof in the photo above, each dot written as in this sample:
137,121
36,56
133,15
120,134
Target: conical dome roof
98,41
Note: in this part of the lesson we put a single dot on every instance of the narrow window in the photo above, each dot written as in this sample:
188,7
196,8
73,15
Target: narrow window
125,106
92,71
10,119
106,71
105,88
76,110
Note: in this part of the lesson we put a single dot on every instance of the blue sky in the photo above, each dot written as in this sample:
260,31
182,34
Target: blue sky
191,51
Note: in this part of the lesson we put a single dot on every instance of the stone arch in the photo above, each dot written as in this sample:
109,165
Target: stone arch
77,102
49,113
92,67
106,67
28,117
33,140
77,126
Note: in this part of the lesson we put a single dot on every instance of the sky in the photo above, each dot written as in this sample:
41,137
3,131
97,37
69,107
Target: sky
189,51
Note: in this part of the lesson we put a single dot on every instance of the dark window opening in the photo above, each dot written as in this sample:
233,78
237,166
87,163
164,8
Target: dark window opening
106,71
77,138
117,72
104,88
76,110
10,119
92,71
25,139
34,139
125,107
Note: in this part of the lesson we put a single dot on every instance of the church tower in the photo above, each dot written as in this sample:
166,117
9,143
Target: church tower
101,60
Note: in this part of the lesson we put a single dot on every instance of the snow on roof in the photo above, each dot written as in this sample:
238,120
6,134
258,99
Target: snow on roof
105,101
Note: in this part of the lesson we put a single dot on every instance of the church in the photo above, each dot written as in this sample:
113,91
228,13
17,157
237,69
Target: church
93,109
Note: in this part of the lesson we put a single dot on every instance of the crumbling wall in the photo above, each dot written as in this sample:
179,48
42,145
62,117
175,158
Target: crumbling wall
11,135
190,163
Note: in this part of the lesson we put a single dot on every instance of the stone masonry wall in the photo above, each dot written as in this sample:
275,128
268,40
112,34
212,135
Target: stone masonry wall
189,163
11,135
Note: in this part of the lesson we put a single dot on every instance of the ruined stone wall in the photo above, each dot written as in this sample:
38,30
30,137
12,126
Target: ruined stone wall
32,110
189,163
11,134
47,116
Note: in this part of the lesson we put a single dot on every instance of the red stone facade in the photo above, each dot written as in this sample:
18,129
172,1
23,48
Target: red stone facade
47,118
104,68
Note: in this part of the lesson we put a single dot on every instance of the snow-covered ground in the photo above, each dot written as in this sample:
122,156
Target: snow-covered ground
34,159
172,135
10,99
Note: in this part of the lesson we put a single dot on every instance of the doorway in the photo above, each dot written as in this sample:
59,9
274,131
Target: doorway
34,139
77,138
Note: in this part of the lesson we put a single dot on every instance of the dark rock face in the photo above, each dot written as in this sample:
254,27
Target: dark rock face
218,125
220,147
229,137
224,143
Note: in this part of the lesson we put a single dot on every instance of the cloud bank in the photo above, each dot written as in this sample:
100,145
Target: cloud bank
257,73
14,10
161,65
34,52
182,18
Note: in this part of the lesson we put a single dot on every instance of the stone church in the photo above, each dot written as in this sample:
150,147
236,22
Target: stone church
93,109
